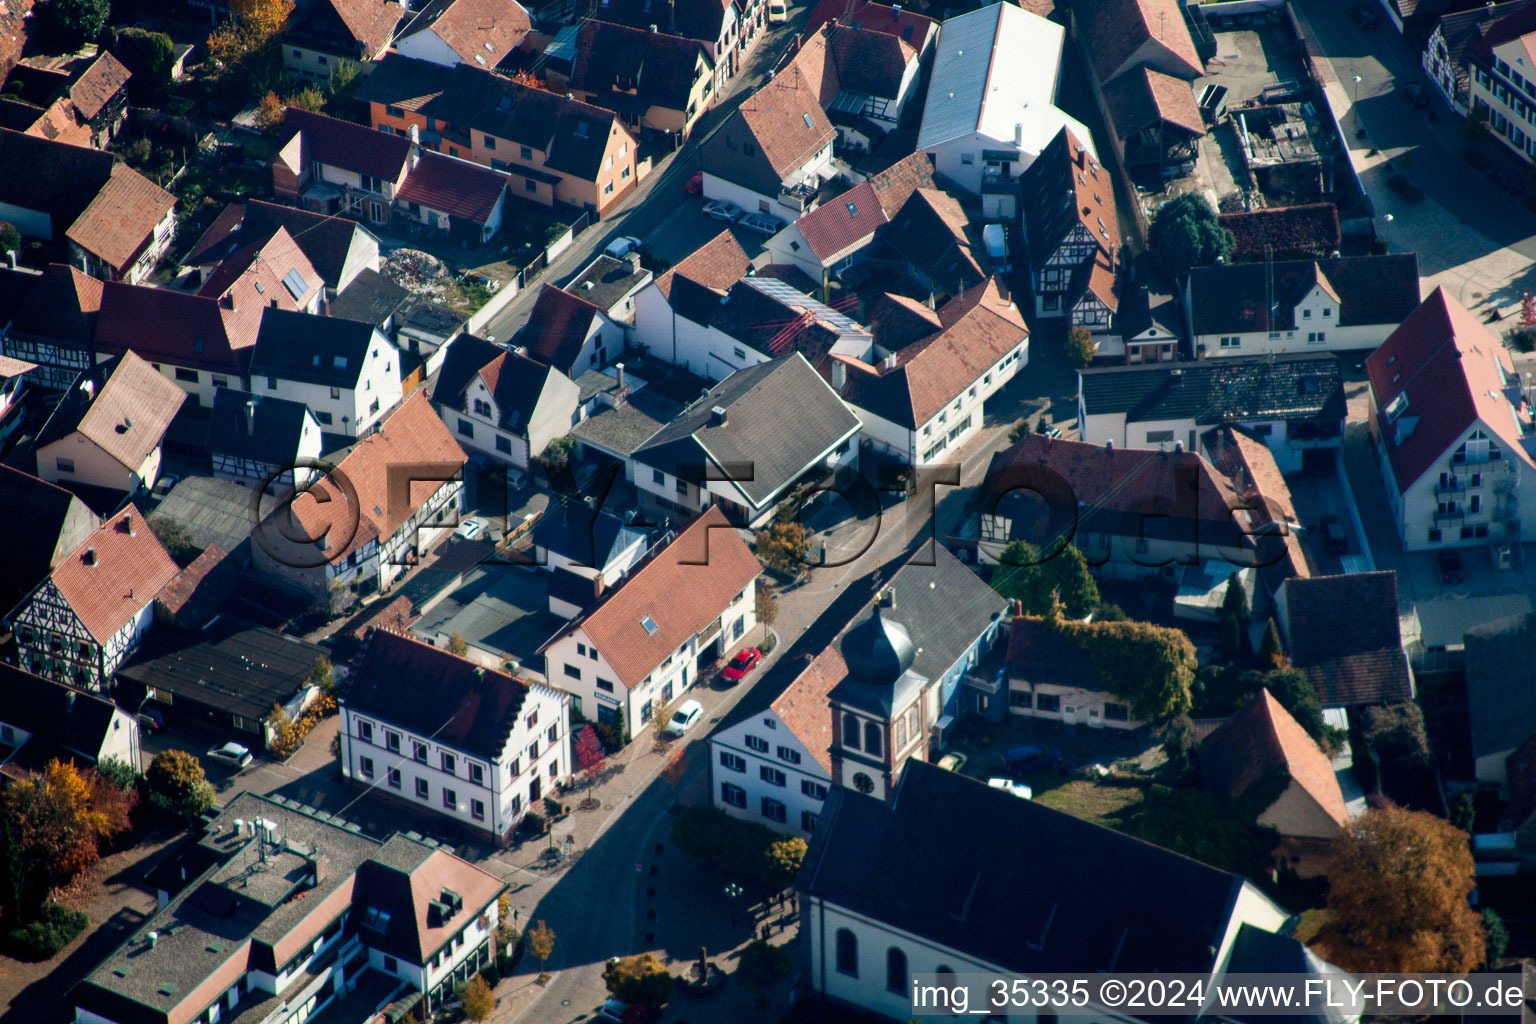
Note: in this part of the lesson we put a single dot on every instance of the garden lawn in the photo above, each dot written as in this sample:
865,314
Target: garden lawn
1113,803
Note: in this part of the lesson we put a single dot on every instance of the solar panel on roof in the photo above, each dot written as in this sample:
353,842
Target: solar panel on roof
294,282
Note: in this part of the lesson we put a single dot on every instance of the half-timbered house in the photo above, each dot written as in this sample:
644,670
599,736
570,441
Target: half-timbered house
53,325
261,441
80,623
1073,233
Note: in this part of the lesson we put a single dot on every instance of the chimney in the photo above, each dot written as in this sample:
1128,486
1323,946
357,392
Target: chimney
90,556
633,258
717,416
89,387
598,586
250,416
154,937
128,523
231,301
1109,444
1018,133
839,375
895,12
619,367
653,28
1178,446
889,362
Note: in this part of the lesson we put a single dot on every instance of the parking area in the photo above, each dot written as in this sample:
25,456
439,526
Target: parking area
687,227
1316,498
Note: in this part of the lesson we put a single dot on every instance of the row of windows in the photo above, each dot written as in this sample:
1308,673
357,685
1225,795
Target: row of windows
771,775
448,762
1051,704
872,735
773,810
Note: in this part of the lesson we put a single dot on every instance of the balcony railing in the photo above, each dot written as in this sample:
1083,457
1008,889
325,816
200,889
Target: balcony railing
1452,486
1455,513
801,197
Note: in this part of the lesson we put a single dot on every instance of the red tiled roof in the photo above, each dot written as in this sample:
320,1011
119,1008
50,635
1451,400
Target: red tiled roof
804,707
455,187
557,327
1450,369
717,264
481,32
1262,739
1363,664
121,218
681,589
896,183
100,82
412,435
833,227
251,279
113,575
1117,29
1143,97
343,144
165,325
129,417
60,123
371,22
195,594
785,116
909,25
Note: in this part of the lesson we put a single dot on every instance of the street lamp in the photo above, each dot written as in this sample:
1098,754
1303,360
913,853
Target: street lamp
1357,91
1386,233
732,893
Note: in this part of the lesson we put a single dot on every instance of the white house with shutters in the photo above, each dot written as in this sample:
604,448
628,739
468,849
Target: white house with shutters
482,753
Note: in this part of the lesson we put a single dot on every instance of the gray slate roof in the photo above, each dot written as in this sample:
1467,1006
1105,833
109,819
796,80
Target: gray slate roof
1298,387
272,436
1501,683
323,350
371,298
962,69
624,428
943,607
780,417
1029,888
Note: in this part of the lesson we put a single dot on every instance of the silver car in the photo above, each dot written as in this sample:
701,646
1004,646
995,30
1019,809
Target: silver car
722,210
232,754
764,223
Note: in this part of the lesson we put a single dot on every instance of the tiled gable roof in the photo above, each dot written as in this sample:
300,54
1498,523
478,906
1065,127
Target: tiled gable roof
453,186
1363,664
701,20
95,88
1262,739
664,68
132,411
895,184
1229,298
174,327
1117,29
833,227
908,25
803,707
1250,467
932,232
62,307
255,276
403,879
121,217
979,327
481,32
516,383
42,522
371,23
323,350
472,709
681,589
1463,30
52,177
715,265
1449,372
557,327
771,135
1065,188
1147,98
1113,489
412,435
342,144
112,576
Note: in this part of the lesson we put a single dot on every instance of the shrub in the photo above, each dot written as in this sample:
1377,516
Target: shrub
638,979
750,851
176,784
10,238
769,643
55,927
531,825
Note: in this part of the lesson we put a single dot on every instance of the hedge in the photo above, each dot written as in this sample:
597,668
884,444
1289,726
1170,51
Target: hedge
56,926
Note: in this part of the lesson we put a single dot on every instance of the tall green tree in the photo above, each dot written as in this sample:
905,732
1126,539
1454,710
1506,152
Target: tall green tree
1067,576
1023,576
1186,234
148,56
70,24
1271,651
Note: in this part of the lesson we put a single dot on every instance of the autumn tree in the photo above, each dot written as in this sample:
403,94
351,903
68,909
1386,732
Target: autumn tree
282,729
1271,651
782,546
51,830
457,644
1080,347
639,979
506,931
478,998
541,942
676,768
1397,897
246,43
269,113
590,757
782,860
766,604
176,784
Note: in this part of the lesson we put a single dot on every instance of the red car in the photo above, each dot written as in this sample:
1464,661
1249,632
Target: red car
740,665
695,185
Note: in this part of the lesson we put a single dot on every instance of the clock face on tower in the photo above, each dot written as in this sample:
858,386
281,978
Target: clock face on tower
863,783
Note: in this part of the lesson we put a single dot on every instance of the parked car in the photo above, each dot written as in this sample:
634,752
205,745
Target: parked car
471,529
953,762
1450,568
163,486
764,223
1031,759
683,719
695,184
1018,789
1333,535
150,719
232,754
1414,93
621,246
613,1010
744,662
1052,431
722,210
